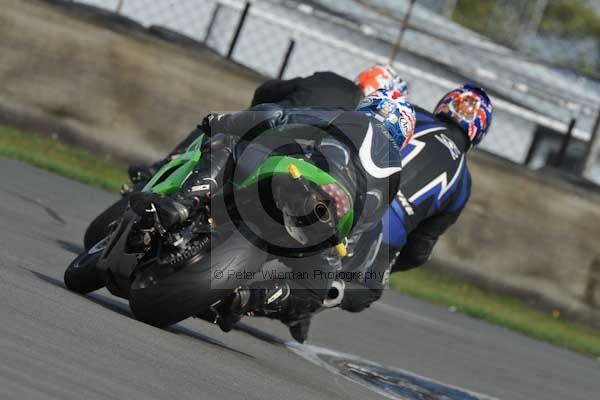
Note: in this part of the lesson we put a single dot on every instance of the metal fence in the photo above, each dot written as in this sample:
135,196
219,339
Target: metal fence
279,39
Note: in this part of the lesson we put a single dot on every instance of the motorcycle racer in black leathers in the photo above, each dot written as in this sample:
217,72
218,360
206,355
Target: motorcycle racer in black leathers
360,148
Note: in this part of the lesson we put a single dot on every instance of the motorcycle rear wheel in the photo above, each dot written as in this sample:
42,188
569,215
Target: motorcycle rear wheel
193,289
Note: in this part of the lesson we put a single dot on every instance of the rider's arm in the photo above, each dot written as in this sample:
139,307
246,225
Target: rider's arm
274,91
322,89
421,241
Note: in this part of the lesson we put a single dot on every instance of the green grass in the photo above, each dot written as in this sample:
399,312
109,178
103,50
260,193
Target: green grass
500,310
568,18
49,154
474,14
571,19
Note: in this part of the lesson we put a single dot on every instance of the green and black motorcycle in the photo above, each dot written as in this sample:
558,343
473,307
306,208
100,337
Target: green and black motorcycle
272,205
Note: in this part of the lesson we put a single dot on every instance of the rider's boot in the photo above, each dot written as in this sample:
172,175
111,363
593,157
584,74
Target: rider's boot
299,329
267,299
197,190
276,300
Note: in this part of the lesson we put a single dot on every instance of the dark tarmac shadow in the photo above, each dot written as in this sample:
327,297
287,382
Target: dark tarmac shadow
123,309
120,307
259,334
69,246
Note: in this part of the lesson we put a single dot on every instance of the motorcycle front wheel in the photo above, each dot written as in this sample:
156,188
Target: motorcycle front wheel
98,228
82,276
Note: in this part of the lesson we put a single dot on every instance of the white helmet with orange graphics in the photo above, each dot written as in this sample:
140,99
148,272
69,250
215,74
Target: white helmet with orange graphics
381,77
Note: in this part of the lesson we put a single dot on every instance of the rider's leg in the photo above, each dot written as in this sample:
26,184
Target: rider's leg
293,301
358,297
360,293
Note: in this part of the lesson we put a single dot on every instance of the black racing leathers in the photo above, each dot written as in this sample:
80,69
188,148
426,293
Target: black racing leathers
322,89
355,149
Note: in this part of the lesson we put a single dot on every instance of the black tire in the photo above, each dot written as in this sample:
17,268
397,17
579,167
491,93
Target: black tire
98,229
191,290
82,276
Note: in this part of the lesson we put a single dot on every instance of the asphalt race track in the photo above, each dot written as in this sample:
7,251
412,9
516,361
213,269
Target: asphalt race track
56,344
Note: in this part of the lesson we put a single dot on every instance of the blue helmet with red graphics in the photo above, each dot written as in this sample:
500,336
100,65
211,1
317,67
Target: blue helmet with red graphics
470,108
393,111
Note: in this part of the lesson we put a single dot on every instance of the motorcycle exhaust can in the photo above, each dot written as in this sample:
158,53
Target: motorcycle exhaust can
335,295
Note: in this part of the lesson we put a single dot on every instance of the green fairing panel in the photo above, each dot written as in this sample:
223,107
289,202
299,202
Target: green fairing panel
171,177
196,144
345,224
280,164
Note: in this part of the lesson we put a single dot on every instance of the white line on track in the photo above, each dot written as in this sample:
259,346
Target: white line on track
314,355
